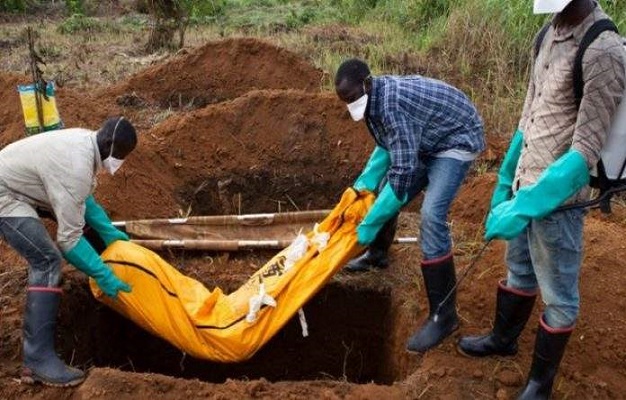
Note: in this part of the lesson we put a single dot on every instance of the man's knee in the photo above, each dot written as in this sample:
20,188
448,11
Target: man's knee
524,281
561,316
46,269
432,218
434,234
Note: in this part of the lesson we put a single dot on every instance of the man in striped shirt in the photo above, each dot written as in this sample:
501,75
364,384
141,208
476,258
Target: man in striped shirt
427,133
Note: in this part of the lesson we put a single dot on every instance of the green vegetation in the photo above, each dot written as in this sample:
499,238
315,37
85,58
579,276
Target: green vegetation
501,30
80,23
481,46
75,6
13,5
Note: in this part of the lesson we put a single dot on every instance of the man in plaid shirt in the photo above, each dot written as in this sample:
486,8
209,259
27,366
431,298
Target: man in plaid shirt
427,134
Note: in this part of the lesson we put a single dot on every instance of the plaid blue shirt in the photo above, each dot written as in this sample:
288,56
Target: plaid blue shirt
413,116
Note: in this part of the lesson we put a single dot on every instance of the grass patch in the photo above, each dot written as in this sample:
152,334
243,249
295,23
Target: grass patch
267,17
79,23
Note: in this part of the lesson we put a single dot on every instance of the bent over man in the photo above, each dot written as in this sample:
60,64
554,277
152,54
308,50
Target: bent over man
427,133
56,171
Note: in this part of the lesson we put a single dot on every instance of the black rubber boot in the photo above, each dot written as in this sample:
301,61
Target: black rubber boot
439,279
376,255
549,348
513,308
41,363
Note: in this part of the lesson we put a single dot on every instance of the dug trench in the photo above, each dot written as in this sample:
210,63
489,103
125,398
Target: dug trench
352,322
348,328
264,190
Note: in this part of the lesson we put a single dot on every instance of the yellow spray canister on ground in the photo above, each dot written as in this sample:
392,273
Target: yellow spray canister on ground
30,96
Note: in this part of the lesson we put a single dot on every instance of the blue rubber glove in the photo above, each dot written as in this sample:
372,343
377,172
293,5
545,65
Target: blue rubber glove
561,180
85,258
98,219
506,174
374,170
384,208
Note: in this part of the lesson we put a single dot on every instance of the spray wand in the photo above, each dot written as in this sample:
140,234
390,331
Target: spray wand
458,282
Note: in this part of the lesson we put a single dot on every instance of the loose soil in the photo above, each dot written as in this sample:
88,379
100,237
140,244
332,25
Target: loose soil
240,126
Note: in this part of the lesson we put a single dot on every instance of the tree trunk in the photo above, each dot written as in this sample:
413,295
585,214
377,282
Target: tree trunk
161,36
169,17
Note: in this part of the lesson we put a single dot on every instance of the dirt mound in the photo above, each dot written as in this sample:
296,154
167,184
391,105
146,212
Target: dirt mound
473,200
219,71
179,163
266,151
11,120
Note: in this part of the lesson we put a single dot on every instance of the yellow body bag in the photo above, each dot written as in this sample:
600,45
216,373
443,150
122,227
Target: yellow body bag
229,328
49,111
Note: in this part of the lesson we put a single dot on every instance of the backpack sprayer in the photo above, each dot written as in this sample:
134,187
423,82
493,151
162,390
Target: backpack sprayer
37,98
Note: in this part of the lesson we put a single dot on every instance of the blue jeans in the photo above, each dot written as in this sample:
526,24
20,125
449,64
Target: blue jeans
31,240
441,177
548,255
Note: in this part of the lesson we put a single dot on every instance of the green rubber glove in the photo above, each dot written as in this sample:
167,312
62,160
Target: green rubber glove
85,258
98,219
374,170
506,174
561,180
384,208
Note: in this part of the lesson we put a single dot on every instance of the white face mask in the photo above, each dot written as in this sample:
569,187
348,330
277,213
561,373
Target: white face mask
549,6
357,108
112,164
